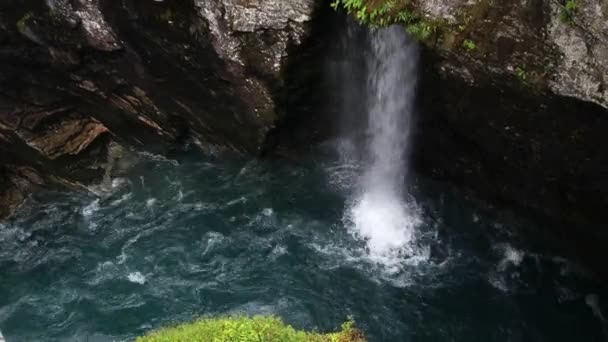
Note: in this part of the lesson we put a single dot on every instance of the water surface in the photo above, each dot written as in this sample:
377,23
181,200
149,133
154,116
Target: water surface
170,242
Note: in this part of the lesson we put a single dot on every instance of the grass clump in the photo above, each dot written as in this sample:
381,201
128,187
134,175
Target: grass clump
248,329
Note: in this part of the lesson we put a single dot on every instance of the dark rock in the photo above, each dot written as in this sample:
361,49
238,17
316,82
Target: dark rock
78,77
543,155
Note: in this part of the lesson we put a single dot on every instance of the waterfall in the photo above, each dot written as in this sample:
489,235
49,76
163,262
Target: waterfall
380,213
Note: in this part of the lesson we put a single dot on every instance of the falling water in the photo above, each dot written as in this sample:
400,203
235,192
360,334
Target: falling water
380,214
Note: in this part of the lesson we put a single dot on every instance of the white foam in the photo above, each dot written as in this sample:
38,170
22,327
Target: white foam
498,281
278,251
137,277
123,198
593,301
2,337
211,240
387,227
104,271
404,273
267,212
506,269
158,158
238,200
91,208
118,182
150,202
511,256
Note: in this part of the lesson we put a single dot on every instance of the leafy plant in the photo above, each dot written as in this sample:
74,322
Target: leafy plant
248,329
568,11
469,44
379,13
521,73
421,30
388,12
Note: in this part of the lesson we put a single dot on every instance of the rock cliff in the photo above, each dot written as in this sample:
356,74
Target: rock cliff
80,80
513,105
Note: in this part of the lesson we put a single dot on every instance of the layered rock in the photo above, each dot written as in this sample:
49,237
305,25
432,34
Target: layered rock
77,77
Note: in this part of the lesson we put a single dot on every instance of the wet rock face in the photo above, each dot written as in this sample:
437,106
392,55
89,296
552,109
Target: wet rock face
231,20
543,44
544,156
583,48
79,76
519,113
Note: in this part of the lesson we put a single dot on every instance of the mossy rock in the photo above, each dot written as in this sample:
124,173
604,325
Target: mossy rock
248,329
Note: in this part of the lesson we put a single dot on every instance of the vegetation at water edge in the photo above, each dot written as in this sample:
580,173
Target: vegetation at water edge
248,329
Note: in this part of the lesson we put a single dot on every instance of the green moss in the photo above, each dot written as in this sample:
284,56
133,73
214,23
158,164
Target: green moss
248,329
22,23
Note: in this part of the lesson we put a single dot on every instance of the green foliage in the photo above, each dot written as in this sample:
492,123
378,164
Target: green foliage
22,23
521,73
421,30
382,14
469,44
568,11
388,12
244,329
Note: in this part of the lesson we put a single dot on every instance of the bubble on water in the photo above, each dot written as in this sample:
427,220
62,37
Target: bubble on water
267,212
137,278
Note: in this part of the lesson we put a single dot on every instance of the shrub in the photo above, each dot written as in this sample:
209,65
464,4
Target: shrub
248,329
